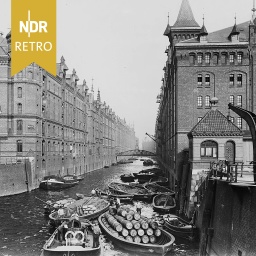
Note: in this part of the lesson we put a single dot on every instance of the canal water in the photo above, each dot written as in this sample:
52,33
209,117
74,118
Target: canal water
24,227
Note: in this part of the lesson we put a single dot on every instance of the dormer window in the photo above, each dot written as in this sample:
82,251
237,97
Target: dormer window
202,38
235,38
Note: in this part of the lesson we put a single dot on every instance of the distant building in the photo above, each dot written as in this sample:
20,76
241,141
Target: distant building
200,66
149,145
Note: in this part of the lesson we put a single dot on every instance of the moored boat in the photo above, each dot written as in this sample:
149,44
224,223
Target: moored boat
157,189
124,162
139,192
127,177
180,227
108,194
85,208
160,180
72,238
164,203
53,182
154,170
161,245
148,162
145,177
69,177
80,177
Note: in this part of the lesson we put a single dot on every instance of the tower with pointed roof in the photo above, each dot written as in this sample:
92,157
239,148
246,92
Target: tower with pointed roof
185,26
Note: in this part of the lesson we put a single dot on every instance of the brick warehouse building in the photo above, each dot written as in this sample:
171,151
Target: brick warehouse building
56,122
200,66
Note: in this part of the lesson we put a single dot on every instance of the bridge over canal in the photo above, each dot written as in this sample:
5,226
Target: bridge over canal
135,152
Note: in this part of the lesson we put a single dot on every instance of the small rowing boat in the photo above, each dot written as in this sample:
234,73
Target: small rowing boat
157,189
164,203
127,177
160,180
54,182
108,194
179,227
154,170
159,246
148,162
139,192
145,177
72,238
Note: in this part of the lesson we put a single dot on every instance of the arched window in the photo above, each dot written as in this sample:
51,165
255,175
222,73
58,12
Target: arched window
199,101
199,79
207,101
19,92
209,148
223,58
19,105
230,151
19,126
215,58
207,58
199,58
207,80
231,58
239,57
19,146
192,58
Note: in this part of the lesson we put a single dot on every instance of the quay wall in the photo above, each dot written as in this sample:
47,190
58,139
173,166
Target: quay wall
13,178
20,177
226,219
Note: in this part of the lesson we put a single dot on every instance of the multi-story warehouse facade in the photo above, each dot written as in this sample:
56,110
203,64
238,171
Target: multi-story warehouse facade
55,121
199,67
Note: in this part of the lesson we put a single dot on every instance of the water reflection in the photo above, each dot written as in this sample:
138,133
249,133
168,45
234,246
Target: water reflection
24,227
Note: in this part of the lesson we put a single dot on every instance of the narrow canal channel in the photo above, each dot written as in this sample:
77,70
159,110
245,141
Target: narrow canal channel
24,228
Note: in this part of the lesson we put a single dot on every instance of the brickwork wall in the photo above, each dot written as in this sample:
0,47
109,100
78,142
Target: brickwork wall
233,220
188,89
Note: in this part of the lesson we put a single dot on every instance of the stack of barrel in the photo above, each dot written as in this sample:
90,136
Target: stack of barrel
131,226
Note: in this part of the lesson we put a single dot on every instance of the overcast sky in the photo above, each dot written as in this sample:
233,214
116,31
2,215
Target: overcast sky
120,44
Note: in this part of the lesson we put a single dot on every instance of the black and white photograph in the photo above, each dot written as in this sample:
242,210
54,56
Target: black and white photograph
142,143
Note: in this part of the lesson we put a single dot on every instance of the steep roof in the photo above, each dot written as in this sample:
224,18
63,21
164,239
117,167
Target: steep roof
167,30
214,123
222,36
203,31
185,17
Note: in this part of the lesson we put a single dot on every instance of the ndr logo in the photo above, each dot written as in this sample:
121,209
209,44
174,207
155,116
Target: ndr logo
31,26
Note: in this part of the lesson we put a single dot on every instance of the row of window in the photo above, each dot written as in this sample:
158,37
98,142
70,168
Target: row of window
209,149
69,98
238,100
239,79
57,147
232,119
223,58
207,100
